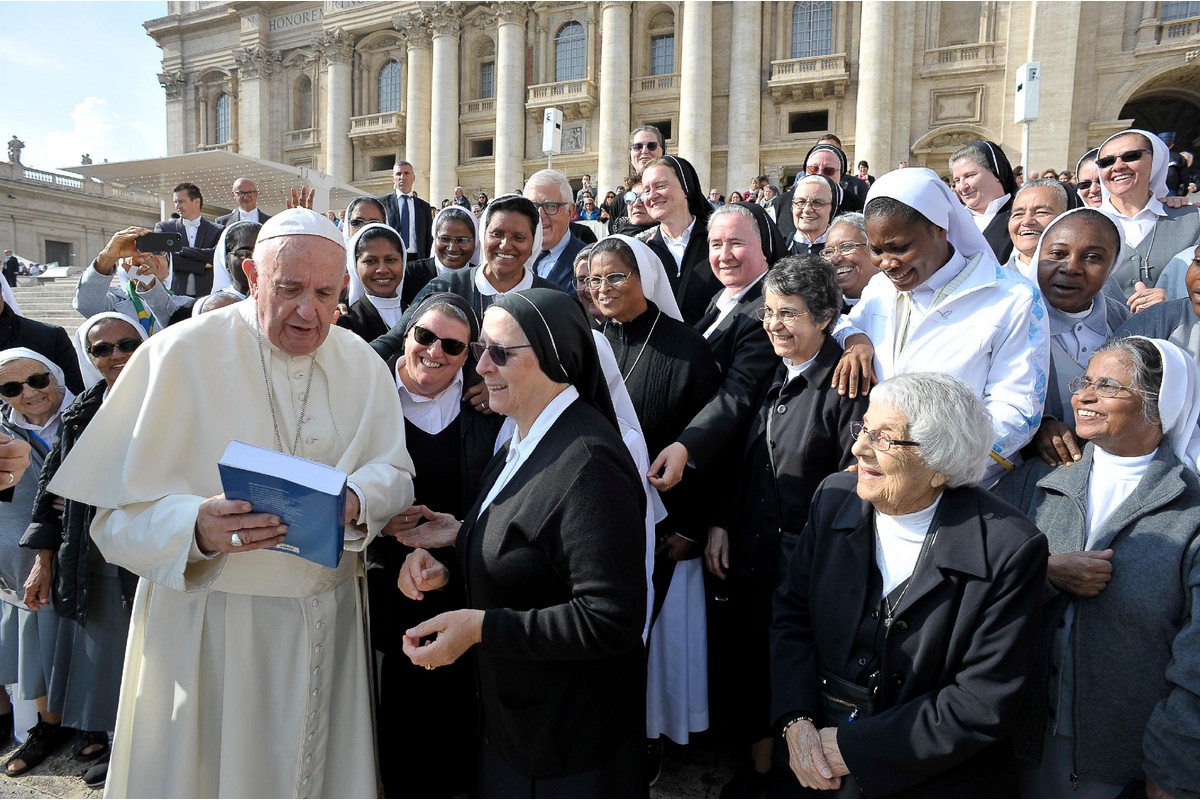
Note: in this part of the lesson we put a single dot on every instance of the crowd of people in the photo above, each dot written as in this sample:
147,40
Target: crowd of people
890,484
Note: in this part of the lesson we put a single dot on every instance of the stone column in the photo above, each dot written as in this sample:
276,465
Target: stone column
510,97
614,96
337,47
872,130
256,65
446,22
173,83
415,32
1056,136
695,89
745,96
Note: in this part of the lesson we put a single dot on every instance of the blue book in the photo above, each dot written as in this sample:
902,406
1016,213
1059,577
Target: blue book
309,497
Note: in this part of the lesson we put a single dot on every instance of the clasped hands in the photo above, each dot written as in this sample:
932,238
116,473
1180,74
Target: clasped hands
814,756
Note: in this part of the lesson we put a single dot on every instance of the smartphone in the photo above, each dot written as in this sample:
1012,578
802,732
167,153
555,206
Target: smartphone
161,243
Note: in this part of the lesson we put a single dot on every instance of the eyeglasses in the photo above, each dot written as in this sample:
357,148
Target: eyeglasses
845,249
247,194
632,197
1103,387
1128,157
879,440
613,279
14,388
1083,186
461,241
358,222
497,352
815,205
828,172
105,349
647,146
785,315
427,338
550,208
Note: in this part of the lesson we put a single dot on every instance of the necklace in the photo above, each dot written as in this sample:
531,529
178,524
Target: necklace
926,546
646,343
312,363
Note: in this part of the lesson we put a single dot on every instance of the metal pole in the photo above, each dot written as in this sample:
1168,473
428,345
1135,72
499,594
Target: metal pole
1025,150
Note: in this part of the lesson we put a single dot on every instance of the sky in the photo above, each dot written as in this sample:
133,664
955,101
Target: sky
81,77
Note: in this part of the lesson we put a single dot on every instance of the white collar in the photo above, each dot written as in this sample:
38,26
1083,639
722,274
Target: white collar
485,287
191,223
992,207
521,447
682,240
796,370
1153,207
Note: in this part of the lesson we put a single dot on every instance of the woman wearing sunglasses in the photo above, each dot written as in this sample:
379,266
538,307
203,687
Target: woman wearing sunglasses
553,556
92,597
451,443
1133,176
1087,179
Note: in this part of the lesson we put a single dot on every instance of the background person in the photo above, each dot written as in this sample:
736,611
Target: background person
984,181
847,249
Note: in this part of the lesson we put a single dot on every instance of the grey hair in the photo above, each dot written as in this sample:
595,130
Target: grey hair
852,218
585,254
1060,191
1145,371
811,279
551,177
976,153
734,210
402,163
947,418
662,143
449,310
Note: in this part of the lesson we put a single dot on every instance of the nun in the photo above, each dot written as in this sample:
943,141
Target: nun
235,246
984,182
553,555
379,288
455,243
942,303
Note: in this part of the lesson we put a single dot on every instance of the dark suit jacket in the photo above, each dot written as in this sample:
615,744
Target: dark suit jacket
747,360
193,260
695,284
562,274
953,667
558,563
996,233
232,217
423,222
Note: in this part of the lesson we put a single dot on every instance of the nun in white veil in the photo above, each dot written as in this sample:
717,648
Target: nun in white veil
377,252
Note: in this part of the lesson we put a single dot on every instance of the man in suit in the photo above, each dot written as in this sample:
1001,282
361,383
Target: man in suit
193,266
12,268
245,195
411,216
551,192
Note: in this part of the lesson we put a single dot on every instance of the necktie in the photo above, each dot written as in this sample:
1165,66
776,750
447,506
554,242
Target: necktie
404,220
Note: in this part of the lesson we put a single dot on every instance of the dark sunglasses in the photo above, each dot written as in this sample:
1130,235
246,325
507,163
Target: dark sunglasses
105,349
1083,186
1129,157
497,352
828,172
14,388
426,338
649,146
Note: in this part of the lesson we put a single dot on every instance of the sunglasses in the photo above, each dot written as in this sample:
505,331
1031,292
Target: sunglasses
1083,186
14,388
1129,157
427,338
105,349
648,146
828,172
497,352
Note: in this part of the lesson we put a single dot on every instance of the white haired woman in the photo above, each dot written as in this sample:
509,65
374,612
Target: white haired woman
908,609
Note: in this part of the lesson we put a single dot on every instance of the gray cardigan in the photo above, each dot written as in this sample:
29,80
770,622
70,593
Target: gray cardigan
1137,644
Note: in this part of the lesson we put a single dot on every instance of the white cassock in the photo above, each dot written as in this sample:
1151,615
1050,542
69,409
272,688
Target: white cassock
246,675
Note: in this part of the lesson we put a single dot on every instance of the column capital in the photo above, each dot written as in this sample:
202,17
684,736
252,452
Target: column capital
335,46
510,13
172,83
445,19
257,61
414,30
622,5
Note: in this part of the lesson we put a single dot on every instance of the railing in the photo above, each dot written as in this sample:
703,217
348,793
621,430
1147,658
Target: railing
560,91
656,83
83,185
485,105
137,198
303,137
959,54
1179,30
228,146
53,178
390,120
794,69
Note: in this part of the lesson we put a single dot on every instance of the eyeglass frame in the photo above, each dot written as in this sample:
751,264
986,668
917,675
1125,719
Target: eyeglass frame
828,172
816,204
497,352
546,207
650,146
843,249
107,348
785,315
461,241
451,347
594,282
1126,158
879,441
13,389
1081,382
1083,186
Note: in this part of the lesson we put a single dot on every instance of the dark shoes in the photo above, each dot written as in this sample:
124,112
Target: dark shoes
6,729
98,740
747,782
654,751
44,738
97,773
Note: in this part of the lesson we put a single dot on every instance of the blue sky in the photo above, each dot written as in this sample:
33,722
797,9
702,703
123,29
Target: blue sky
81,78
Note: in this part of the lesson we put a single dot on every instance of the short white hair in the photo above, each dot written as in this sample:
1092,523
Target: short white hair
947,418
551,177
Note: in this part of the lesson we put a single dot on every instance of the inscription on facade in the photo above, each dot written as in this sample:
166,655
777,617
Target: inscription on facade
297,19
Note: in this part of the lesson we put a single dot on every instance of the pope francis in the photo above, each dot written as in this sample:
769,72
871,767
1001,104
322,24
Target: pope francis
246,670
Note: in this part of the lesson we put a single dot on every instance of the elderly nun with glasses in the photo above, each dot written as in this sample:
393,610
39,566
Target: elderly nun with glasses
1114,699
904,627
553,553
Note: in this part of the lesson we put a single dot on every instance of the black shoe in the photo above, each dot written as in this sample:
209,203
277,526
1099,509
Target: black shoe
44,738
654,751
747,782
6,729
95,775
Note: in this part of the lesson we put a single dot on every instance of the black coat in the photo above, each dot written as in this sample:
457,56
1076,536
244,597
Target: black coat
49,340
68,535
693,283
953,667
423,223
196,260
996,233
557,560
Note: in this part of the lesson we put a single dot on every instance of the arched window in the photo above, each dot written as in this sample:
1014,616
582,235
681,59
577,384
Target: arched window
389,87
812,29
222,119
569,47
302,105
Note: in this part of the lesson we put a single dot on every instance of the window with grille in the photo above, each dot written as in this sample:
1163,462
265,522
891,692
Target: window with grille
662,54
222,119
812,29
389,87
569,52
487,80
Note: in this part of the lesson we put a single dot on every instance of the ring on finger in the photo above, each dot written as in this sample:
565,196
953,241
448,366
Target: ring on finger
235,540
11,479
429,666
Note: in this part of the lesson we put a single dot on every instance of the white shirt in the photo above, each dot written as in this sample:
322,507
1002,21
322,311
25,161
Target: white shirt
677,247
984,218
1137,227
248,216
431,414
726,302
520,449
898,543
191,227
1113,479
548,263
485,287
411,234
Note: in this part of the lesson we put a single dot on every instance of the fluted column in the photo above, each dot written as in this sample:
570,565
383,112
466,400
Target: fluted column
745,98
872,130
695,90
415,31
337,47
256,65
614,95
510,96
446,23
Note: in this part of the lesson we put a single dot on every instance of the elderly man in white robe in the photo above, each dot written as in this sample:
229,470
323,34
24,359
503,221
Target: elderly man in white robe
246,671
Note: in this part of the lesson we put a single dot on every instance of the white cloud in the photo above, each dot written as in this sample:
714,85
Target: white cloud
96,129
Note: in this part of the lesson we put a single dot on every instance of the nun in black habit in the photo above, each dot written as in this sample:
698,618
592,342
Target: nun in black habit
990,203
553,557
